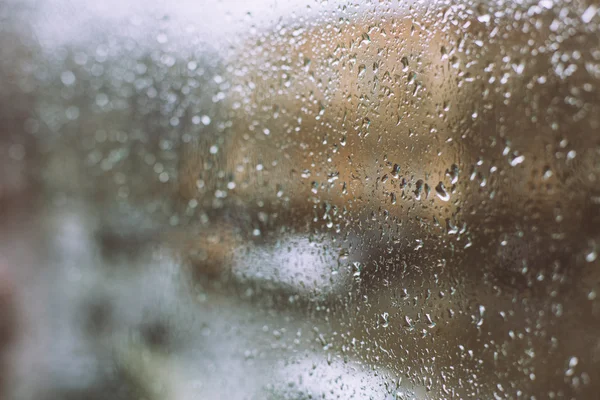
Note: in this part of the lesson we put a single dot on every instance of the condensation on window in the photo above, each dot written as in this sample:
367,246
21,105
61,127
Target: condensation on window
299,200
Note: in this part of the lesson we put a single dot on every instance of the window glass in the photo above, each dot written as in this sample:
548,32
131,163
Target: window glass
299,200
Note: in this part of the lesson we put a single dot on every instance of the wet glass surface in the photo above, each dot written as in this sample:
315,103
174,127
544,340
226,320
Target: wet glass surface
299,200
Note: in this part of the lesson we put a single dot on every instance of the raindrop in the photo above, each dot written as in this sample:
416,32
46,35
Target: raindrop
101,99
485,18
591,256
72,113
589,13
573,362
362,69
517,160
385,316
314,187
163,177
404,64
67,78
452,173
441,192
357,267
418,189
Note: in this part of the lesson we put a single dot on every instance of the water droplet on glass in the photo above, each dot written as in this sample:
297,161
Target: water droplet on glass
67,78
314,187
404,64
72,113
357,268
452,173
362,69
441,192
573,362
418,189
516,160
591,256
589,13
485,18
385,317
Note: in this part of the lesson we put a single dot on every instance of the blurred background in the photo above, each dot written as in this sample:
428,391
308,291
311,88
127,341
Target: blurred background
299,199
